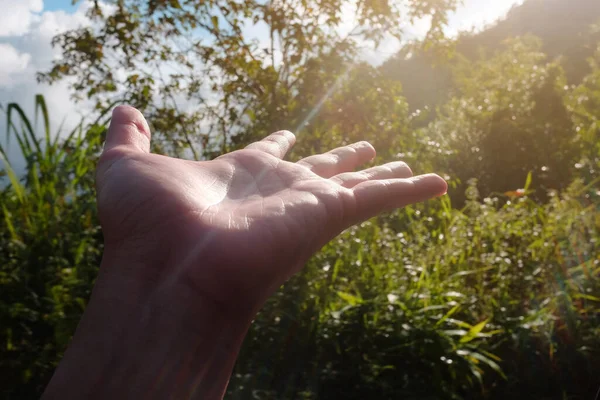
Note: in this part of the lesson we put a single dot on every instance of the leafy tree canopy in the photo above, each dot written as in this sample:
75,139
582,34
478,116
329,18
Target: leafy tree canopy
236,63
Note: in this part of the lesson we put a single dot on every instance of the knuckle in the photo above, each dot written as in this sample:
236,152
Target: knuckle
287,134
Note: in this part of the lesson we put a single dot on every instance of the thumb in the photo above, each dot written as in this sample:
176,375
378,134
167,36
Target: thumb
128,130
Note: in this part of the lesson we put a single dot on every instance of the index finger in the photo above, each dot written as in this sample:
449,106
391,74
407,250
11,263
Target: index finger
277,144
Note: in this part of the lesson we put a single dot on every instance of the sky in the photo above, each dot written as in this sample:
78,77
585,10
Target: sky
54,5
478,13
27,28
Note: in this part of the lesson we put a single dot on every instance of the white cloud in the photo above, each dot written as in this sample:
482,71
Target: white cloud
26,53
25,49
17,16
470,15
13,64
476,14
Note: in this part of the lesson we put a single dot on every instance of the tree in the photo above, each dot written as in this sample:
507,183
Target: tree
216,69
429,83
509,118
584,104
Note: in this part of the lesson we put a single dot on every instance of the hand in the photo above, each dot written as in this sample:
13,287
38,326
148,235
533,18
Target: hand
235,228
193,249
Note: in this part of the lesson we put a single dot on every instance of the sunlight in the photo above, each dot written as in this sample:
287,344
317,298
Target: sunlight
315,110
477,14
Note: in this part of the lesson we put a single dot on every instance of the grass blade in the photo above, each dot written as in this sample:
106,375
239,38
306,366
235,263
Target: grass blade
16,184
474,331
29,128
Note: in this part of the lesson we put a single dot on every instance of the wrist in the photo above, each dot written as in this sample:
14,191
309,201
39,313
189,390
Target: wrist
148,343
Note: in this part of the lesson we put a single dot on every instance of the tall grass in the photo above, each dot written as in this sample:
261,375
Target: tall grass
498,299
50,244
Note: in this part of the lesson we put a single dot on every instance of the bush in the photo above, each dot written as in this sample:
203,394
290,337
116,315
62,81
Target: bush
509,117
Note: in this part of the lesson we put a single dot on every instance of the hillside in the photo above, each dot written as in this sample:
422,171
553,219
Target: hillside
558,23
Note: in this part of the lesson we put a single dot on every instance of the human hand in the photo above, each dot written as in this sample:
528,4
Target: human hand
193,249
234,229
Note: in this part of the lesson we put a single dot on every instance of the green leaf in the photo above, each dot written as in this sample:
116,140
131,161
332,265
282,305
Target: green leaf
587,297
28,127
489,362
528,181
448,314
459,323
9,224
474,331
40,106
15,183
336,269
351,299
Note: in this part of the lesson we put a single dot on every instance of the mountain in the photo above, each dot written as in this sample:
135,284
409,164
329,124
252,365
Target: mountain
564,26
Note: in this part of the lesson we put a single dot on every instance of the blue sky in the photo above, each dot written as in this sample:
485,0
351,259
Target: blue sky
54,5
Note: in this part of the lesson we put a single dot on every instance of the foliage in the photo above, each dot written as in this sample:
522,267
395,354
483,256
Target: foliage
584,104
509,118
239,63
50,247
435,302
429,83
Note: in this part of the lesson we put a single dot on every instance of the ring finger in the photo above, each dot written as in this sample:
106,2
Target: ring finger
396,169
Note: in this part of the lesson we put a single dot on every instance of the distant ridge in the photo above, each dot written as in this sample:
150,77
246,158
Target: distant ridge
563,26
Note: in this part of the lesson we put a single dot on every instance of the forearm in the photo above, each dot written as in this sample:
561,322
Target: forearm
148,346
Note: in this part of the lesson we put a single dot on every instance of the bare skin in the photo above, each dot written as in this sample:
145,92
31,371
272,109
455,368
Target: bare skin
193,249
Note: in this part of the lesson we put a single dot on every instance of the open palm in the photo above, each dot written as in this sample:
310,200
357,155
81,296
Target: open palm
238,226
